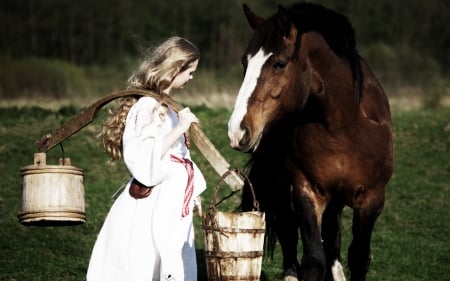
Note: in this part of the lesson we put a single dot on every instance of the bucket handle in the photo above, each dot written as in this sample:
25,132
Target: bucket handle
239,172
82,119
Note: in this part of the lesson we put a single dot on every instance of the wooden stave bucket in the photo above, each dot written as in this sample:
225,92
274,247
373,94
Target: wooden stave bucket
53,195
233,242
234,245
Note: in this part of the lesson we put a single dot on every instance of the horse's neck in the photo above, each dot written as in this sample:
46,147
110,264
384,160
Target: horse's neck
338,102
338,108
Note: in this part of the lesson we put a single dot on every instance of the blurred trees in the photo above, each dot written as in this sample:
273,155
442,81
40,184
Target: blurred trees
102,31
86,32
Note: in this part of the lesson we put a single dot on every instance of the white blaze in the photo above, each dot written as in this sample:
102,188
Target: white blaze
255,63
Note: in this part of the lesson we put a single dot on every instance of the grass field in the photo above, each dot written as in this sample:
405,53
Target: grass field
410,241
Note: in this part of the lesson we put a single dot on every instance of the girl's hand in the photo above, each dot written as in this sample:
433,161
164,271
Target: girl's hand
186,118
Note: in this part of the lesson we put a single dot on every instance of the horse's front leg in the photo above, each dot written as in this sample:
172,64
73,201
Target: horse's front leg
287,234
309,205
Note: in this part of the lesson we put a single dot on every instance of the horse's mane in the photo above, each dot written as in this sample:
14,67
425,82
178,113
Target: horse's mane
335,28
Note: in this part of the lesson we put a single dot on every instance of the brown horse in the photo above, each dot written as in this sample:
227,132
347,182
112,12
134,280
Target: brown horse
317,124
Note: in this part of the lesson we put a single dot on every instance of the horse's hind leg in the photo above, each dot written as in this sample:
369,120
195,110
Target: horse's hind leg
364,219
331,236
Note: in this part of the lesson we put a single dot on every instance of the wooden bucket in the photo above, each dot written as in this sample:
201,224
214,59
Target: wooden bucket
233,243
53,195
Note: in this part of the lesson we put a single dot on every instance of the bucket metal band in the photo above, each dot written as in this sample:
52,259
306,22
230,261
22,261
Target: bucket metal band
222,254
233,230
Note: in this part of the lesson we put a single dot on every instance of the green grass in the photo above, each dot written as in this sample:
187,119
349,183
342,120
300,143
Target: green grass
410,241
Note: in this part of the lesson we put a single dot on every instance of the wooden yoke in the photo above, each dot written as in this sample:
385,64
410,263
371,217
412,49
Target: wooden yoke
82,119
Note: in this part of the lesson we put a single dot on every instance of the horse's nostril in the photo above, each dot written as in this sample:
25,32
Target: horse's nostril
245,138
236,137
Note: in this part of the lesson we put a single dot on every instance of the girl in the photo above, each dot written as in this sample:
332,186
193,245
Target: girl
148,233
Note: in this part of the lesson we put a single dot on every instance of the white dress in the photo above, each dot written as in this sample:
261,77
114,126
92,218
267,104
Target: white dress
148,239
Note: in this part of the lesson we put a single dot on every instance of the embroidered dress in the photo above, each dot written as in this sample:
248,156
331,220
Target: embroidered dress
150,238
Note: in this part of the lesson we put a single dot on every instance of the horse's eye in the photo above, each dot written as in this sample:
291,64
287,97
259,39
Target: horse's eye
279,65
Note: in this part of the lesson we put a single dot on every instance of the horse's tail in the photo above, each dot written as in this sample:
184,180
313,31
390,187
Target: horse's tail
272,189
247,205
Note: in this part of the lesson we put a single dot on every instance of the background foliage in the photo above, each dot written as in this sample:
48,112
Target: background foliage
406,42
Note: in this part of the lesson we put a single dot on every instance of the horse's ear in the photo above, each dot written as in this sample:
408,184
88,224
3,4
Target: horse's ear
283,18
292,35
253,19
286,25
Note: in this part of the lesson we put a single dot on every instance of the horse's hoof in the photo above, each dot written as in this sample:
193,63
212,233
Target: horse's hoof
291,273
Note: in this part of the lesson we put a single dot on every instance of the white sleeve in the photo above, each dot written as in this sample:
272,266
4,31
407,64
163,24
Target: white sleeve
142,142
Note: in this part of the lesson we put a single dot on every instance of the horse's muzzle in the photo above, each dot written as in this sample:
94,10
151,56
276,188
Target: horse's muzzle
242,140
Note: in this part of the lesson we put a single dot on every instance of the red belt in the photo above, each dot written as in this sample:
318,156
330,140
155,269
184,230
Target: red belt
190,182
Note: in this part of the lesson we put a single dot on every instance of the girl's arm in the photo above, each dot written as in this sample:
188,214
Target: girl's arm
185,119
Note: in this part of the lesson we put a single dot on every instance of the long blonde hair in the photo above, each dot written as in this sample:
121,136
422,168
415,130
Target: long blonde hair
155,73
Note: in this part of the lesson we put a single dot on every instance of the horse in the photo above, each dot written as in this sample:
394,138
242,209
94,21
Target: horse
316,123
